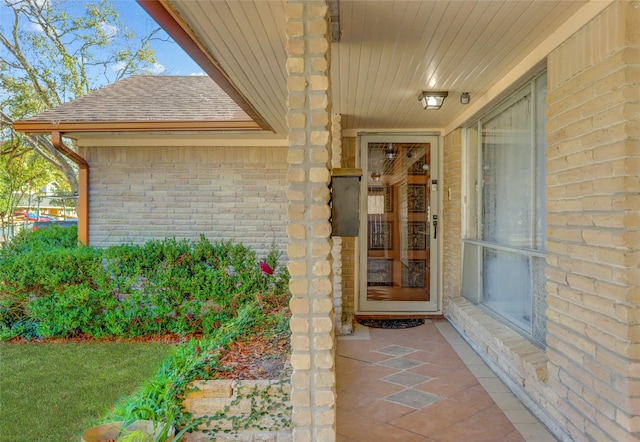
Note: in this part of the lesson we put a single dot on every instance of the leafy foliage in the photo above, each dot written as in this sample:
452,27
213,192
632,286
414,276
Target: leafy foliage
42,241
53,287
54,51
161,398
19,173
59,50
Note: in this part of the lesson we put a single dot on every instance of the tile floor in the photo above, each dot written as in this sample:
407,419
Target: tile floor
424,384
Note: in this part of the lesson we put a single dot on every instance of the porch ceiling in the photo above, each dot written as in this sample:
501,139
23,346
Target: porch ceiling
389,51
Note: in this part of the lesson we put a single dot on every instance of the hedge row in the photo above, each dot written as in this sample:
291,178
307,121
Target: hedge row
52,287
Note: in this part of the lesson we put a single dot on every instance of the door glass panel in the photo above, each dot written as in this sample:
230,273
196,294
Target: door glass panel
398,214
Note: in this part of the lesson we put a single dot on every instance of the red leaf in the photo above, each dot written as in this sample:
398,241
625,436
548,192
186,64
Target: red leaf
265,268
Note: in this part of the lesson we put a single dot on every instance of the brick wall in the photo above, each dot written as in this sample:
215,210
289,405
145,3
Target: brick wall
232,402
593,208
451,213
585,385
348,243
140,193
342,324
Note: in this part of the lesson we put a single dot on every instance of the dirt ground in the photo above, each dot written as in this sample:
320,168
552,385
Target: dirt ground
253,359
250,359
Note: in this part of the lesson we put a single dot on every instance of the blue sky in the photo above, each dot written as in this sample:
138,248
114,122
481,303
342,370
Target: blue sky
172,60
170,56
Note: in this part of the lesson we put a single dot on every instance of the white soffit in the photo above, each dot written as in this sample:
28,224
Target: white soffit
389,51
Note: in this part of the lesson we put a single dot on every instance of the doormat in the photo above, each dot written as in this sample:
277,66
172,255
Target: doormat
391,323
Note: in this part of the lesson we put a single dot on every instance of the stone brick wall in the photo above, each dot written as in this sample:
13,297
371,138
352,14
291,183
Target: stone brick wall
342,326
313,394
593,215
584,386
348,243
451,213
233,399
516,361
140,193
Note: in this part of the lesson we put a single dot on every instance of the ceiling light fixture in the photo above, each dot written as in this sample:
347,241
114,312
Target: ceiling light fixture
465,98
432,100
390,154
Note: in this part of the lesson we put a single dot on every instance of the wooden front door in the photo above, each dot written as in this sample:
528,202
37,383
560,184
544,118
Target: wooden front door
399,236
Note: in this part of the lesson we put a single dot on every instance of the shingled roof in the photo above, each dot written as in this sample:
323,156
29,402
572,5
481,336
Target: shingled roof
145,102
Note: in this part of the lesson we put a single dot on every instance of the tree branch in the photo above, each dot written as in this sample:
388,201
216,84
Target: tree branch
15,50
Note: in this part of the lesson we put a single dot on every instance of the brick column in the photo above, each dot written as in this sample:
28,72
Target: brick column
313,343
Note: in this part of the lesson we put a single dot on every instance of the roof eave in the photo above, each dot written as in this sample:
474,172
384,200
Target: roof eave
28,126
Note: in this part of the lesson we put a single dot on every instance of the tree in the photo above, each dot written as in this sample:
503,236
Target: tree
56,51
21,172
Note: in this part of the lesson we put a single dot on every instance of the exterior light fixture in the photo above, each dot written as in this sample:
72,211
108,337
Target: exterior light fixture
390,154
375,176
432,100
465,98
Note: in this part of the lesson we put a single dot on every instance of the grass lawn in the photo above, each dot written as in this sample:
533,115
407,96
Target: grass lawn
52,392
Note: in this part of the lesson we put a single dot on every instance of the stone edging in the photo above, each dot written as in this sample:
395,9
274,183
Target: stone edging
210,397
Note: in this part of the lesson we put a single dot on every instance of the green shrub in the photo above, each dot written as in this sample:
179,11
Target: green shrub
44,239
51,287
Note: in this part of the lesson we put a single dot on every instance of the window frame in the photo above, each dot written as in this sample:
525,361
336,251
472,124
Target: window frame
473,243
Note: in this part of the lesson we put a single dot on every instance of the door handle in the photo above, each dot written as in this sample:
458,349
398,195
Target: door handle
435,226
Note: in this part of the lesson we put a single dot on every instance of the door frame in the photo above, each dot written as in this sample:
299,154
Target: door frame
400,308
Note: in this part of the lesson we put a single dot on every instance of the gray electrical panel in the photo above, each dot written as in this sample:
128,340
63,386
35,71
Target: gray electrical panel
345,201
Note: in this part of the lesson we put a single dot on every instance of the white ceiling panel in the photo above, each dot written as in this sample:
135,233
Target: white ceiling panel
247,40
390,50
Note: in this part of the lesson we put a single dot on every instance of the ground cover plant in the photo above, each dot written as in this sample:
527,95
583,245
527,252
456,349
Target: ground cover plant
160,398
209,296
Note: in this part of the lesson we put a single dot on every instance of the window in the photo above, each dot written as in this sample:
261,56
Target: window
504,257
